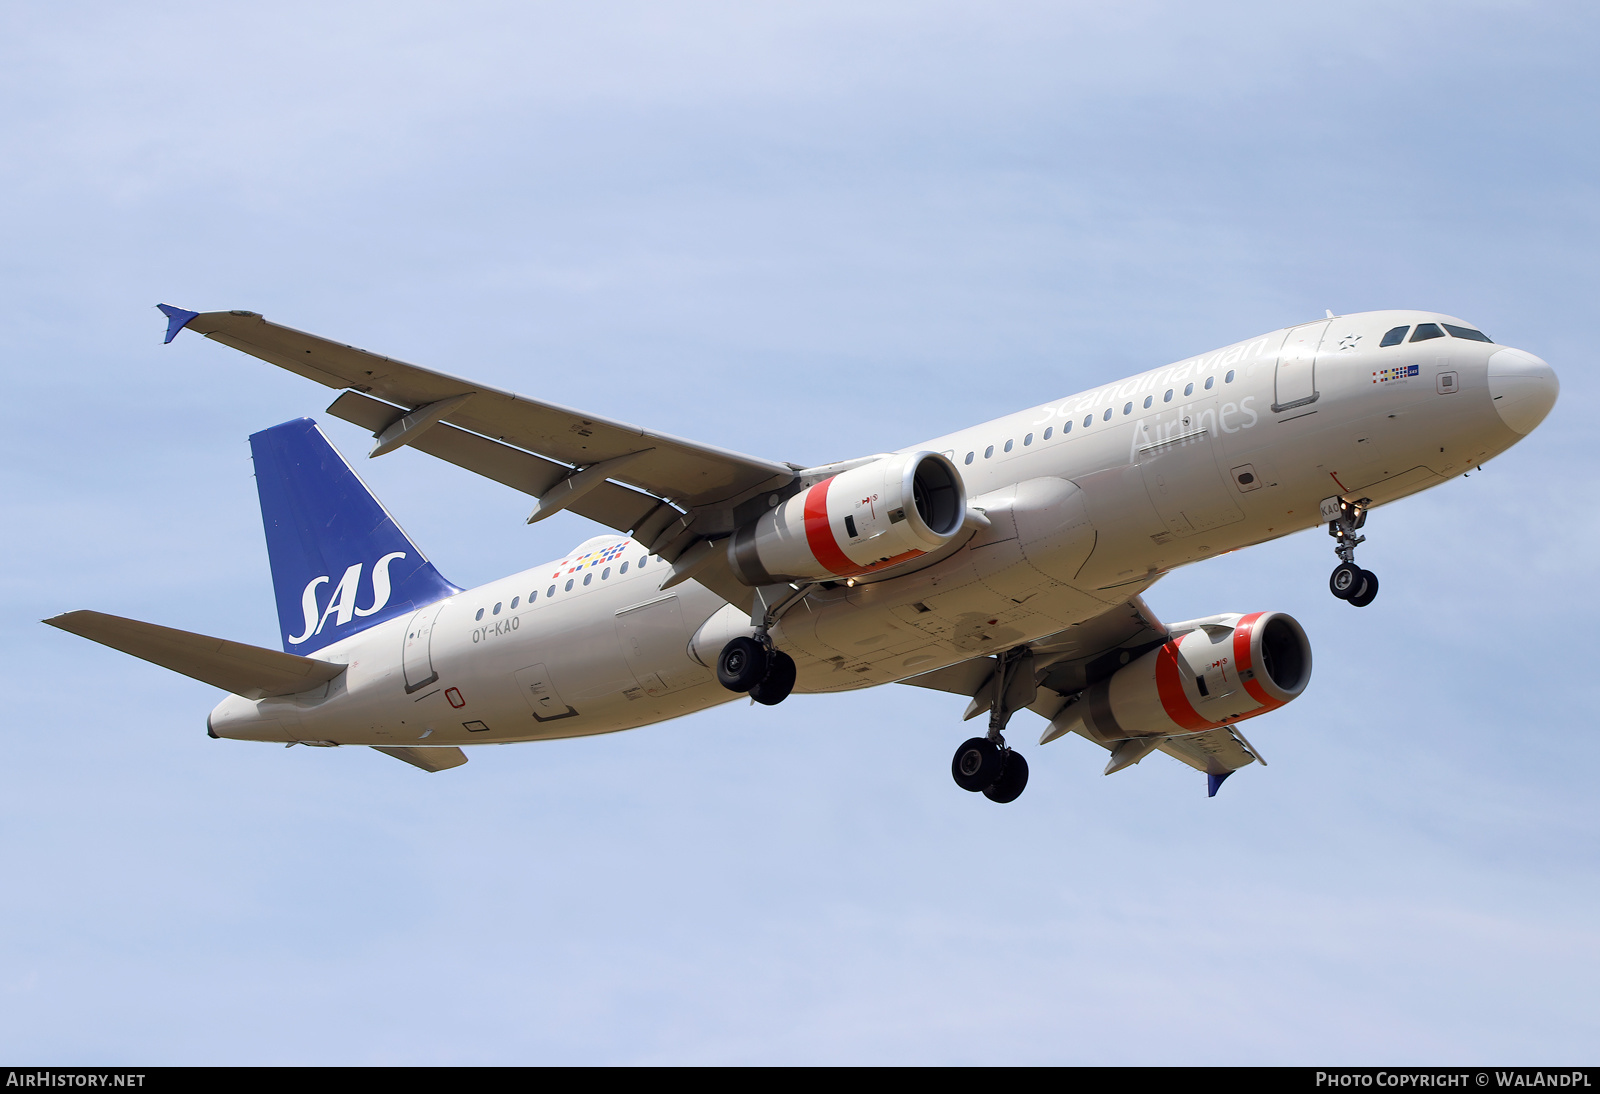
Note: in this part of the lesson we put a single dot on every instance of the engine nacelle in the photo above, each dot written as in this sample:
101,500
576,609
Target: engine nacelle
1219,670
867,518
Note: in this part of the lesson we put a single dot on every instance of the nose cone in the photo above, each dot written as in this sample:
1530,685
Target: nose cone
1523,388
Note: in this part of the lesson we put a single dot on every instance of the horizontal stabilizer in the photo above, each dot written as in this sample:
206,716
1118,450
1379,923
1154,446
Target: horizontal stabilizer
429,759
250,671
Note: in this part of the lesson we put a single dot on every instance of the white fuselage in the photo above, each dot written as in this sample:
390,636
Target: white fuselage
1090,499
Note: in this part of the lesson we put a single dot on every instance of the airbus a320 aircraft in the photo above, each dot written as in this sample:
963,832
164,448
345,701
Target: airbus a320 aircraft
1003,563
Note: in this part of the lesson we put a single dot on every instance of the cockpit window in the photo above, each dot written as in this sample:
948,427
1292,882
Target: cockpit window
1426,331
1468,332
1394,337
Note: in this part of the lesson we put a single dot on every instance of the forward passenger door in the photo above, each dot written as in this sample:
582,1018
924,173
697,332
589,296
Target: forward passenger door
1296,379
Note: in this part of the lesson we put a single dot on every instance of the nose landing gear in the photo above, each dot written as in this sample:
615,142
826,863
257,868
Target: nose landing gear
1348,581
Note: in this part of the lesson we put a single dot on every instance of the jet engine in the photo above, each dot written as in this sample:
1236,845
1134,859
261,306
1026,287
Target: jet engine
1215,671
867,518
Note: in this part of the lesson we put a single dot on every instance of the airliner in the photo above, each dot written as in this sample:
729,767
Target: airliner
1004,563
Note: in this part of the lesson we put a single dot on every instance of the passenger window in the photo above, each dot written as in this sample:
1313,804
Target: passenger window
1026,441
1049,429
533,596
515,601
1209,381
588,578
1107,414
1148,399
1426,331
623,568
1167,398
970,455
1468,332
987,452
1395,336
551,591
479,615
1087,418
1188,389
1064,431
605,573
1008,445
641,561
1228,379
569,585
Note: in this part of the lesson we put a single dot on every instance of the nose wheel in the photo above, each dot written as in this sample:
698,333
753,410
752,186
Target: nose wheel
1348,581
1351,583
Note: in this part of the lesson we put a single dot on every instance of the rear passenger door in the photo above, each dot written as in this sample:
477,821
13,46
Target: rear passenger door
417,653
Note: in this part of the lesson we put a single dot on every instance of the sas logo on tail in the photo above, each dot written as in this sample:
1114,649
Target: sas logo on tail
342,605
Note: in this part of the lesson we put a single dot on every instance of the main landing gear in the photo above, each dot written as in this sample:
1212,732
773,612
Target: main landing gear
982,765
1349,581
751,665
754,665
985,764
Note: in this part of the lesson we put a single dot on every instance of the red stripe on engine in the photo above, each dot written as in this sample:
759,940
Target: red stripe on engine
1169,687
819,534
1242,633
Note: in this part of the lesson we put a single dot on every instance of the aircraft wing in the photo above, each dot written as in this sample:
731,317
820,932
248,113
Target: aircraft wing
1056,668
650,481
1065,662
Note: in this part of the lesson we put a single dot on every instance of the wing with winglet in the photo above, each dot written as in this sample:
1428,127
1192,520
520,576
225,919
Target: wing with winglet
668,493
1061,668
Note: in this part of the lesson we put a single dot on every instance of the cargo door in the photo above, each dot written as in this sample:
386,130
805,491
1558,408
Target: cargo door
540,691
416,656
1297,366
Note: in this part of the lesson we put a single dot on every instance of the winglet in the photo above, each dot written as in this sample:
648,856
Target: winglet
177,319
1215,781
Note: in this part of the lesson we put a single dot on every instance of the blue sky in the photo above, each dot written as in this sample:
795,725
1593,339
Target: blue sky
808,232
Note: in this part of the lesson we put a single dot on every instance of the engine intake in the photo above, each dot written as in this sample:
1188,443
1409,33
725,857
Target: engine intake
1219,670
867,518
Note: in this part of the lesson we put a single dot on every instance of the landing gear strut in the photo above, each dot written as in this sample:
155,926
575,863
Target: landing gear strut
755,665
1348,581
985,764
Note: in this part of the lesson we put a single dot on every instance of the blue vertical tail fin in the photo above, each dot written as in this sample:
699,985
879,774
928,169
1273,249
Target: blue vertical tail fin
340,563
